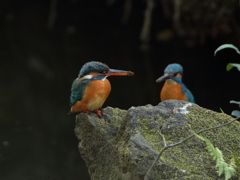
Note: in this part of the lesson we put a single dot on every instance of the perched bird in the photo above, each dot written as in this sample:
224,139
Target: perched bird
173,87
91,88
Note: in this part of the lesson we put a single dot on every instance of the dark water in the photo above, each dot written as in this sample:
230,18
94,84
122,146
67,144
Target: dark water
38,65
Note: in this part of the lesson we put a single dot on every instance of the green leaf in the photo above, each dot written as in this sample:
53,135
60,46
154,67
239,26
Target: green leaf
235,102
221,167
219,153
229,172
215,152
221,110
226,46
231,65
235,113
200,137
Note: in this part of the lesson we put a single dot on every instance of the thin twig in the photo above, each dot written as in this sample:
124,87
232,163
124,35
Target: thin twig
164,140
145,32
127,11
52,14
176,15
172,145
165,7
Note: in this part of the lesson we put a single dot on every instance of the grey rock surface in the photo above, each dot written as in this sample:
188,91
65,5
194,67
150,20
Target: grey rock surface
123,144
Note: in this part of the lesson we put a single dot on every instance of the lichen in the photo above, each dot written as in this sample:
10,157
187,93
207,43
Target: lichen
124,144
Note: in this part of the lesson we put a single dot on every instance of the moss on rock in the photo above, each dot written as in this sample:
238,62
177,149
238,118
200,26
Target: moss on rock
123,144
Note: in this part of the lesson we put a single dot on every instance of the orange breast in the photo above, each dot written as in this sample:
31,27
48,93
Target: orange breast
172,91
94,96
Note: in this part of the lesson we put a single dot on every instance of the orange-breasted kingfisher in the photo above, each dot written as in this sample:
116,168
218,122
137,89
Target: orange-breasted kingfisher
91,88
173,87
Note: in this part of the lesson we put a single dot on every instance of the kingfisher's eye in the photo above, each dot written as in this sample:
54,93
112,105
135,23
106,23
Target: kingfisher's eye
104,72
173,74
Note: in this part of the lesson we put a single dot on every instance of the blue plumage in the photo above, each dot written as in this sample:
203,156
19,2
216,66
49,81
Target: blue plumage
174,69
79,84
91,88
174,72
185,90
188,93
77,90
93,66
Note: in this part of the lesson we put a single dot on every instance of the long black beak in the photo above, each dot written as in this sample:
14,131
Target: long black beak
115,72
162,78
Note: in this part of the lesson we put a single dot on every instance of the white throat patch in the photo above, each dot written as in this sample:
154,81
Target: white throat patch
87,77
170,81
104,78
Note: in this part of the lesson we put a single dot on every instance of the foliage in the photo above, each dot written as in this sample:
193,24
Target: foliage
228,169
235,112
221,110
226,46
229,67
235,160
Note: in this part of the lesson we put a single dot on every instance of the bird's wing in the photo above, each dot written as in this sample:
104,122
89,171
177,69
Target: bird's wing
77,90
188,93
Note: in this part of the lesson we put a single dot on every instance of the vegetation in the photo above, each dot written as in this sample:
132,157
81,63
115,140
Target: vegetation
222,166
228,169
229,67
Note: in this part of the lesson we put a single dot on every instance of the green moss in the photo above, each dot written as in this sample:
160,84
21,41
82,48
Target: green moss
126,147
182,156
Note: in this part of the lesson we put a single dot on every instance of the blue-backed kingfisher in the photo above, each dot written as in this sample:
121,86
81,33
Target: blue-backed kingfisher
91,88
173,87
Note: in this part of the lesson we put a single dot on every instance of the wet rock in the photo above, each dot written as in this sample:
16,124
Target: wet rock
123,144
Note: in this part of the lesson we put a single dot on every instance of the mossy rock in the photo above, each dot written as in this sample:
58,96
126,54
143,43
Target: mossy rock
122,144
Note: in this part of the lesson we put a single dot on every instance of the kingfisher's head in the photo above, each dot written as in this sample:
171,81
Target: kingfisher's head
94,68
171,71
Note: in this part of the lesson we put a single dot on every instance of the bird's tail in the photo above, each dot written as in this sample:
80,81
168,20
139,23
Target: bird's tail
71,111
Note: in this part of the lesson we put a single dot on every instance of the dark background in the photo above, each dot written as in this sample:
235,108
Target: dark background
41,54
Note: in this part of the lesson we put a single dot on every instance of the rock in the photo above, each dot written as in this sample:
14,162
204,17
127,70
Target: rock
122,145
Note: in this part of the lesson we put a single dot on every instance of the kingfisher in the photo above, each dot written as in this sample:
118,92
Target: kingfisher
173,87
91,88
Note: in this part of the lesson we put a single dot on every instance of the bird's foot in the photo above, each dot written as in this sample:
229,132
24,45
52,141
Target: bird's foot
98,113
85,111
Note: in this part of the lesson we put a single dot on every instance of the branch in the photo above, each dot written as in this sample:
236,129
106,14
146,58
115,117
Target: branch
165,7
176,15
127,10
172,145
145,32
52,14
